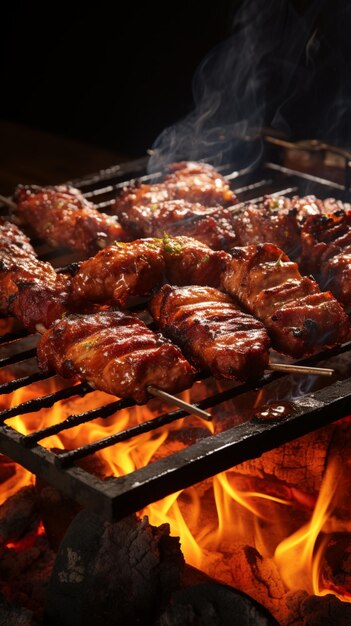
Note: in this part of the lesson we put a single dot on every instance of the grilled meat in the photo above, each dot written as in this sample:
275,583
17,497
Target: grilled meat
211,226
190,262
194,183
198,182
115,353
212,331
29,289
63,217
119,271
299,317
326,252
272,221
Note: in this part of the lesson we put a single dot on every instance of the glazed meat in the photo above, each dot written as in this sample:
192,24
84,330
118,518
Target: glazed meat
115,353
212,331
29,289
271,221
190,262
299,317
15,252
211,226
326,252
310,205
63,217
198,182
120,271
195,183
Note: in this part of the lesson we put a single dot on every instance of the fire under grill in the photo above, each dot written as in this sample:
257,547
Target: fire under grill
244,439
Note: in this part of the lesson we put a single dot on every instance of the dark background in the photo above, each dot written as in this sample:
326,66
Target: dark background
116,78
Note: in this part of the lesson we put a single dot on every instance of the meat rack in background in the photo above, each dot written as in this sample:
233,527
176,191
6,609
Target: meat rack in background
328,175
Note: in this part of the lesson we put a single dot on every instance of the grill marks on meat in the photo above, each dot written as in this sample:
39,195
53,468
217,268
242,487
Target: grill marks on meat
299,317
29,288
190,201
211,226
272,221
115,353
63,217
326,252
120,271
212,331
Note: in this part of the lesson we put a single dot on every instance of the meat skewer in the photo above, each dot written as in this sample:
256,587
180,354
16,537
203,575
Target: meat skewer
212,331
115,353
63,217
299,317
30,289
326,252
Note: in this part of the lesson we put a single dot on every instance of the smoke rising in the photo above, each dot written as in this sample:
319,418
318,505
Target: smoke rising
261,76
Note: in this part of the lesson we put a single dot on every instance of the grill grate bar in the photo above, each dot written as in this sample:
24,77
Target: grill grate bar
17,358
76,420
24,382
66,458
45,401
10,337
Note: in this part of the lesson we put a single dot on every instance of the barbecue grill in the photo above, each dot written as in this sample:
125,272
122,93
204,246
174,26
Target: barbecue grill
116,497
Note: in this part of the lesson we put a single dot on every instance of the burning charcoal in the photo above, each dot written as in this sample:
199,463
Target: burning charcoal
18,514
120,572
317,610
212,603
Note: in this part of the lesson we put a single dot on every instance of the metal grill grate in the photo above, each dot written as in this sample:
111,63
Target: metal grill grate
116,497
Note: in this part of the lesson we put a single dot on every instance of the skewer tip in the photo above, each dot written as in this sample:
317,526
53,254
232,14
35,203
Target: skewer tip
185,406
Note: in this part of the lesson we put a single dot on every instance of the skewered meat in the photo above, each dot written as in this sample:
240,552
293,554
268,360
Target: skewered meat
198,182
115,353
63,217
190,262
299,317
195,183
119,271
272,221
29,289
15,250
326,252
212,331
211,226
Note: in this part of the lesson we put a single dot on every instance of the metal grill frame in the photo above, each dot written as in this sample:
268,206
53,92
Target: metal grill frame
115,497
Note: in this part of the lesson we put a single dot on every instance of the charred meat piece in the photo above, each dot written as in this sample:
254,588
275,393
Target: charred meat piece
299,317
212,226
190,262
115,353
212,331
326,252
120,271
272,221
29,288
63,217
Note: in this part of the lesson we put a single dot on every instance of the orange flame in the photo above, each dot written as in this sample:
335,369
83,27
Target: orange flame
236,515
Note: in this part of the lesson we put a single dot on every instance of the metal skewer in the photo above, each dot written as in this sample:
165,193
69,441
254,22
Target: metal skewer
300,369
186,406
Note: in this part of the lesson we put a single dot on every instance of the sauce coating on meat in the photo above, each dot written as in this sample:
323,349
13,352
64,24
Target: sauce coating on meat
212,331
326,252
63,217
120,271
115,353
299,317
